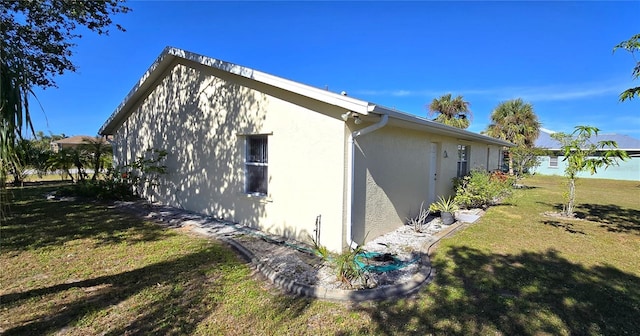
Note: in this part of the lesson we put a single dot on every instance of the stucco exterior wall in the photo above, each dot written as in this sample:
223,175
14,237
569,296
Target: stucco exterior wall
201,116
392,173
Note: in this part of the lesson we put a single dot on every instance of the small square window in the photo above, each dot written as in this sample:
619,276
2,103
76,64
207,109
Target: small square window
553,161
256,164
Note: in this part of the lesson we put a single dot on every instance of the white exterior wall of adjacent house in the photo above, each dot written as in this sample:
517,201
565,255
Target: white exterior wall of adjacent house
394,168
203,116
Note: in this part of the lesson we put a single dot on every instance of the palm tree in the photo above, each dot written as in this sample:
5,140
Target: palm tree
14,114
453,112
62,161
99,151
516,122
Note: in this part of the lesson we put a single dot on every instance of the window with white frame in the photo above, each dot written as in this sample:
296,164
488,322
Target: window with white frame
553,162
256,164
463,160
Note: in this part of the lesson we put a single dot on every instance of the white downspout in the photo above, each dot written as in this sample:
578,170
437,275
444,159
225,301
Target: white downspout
350,172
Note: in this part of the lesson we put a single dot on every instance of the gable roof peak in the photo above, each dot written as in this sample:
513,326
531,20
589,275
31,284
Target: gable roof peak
171,55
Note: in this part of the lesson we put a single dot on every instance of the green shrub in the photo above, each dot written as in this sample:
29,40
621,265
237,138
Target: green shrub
481,189
345,264
348,270
108,189
122,183
444,205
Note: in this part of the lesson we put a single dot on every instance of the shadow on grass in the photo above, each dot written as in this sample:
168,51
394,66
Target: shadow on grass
478,293
167,297
174,296
35,222
557,206
568,227
614,218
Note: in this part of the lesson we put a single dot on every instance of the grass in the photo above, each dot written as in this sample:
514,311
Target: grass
82,268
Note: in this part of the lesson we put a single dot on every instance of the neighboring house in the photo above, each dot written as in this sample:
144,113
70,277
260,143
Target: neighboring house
553,163
75,141
271,153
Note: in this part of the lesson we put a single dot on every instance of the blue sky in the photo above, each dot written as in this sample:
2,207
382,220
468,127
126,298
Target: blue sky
555,55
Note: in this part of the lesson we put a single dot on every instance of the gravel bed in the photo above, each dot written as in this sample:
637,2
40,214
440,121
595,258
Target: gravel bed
300,264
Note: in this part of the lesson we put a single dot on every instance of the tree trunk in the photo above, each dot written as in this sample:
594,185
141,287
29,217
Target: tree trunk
96,166
70,175
510,163
572,198
97,155
17,176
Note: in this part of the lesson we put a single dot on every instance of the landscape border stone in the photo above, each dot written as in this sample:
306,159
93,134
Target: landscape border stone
224,232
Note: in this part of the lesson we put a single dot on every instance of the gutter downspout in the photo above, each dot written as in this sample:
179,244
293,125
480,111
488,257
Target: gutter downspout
350,174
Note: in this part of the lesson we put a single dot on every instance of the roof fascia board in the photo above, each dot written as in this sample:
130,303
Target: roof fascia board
165,59
155,71
436,127
348,103
597,150
169,55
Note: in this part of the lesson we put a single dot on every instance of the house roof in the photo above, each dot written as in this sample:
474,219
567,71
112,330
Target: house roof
624,142
364,108
79,140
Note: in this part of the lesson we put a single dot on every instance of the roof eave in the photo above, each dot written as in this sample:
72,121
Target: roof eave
439,128
145,82
170,53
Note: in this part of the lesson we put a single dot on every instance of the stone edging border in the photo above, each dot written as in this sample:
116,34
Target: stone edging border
426,273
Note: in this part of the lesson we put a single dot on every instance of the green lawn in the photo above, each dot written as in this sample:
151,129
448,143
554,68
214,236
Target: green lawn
81,268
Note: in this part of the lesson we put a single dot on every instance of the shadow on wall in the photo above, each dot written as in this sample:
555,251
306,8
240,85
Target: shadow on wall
201,120
202,117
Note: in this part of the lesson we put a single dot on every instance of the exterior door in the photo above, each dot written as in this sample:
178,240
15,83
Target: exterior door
433,173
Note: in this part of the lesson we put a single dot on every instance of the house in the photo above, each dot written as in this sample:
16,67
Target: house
295,160
554,164
75,141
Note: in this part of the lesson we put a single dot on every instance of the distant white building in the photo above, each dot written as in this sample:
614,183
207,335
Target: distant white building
75,141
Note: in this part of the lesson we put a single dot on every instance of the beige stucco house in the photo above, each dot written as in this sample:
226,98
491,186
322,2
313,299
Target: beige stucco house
77,141
268,152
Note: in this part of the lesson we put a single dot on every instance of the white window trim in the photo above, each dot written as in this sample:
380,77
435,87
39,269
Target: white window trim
254,195
467,150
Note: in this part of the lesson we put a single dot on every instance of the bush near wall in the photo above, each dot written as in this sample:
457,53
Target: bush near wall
480,189
123,183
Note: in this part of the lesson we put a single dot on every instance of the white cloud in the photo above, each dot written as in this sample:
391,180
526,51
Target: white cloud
559,93
563,92
397,93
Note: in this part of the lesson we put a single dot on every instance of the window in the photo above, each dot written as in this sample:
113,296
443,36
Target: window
463,160
553,162
256,165
488,156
